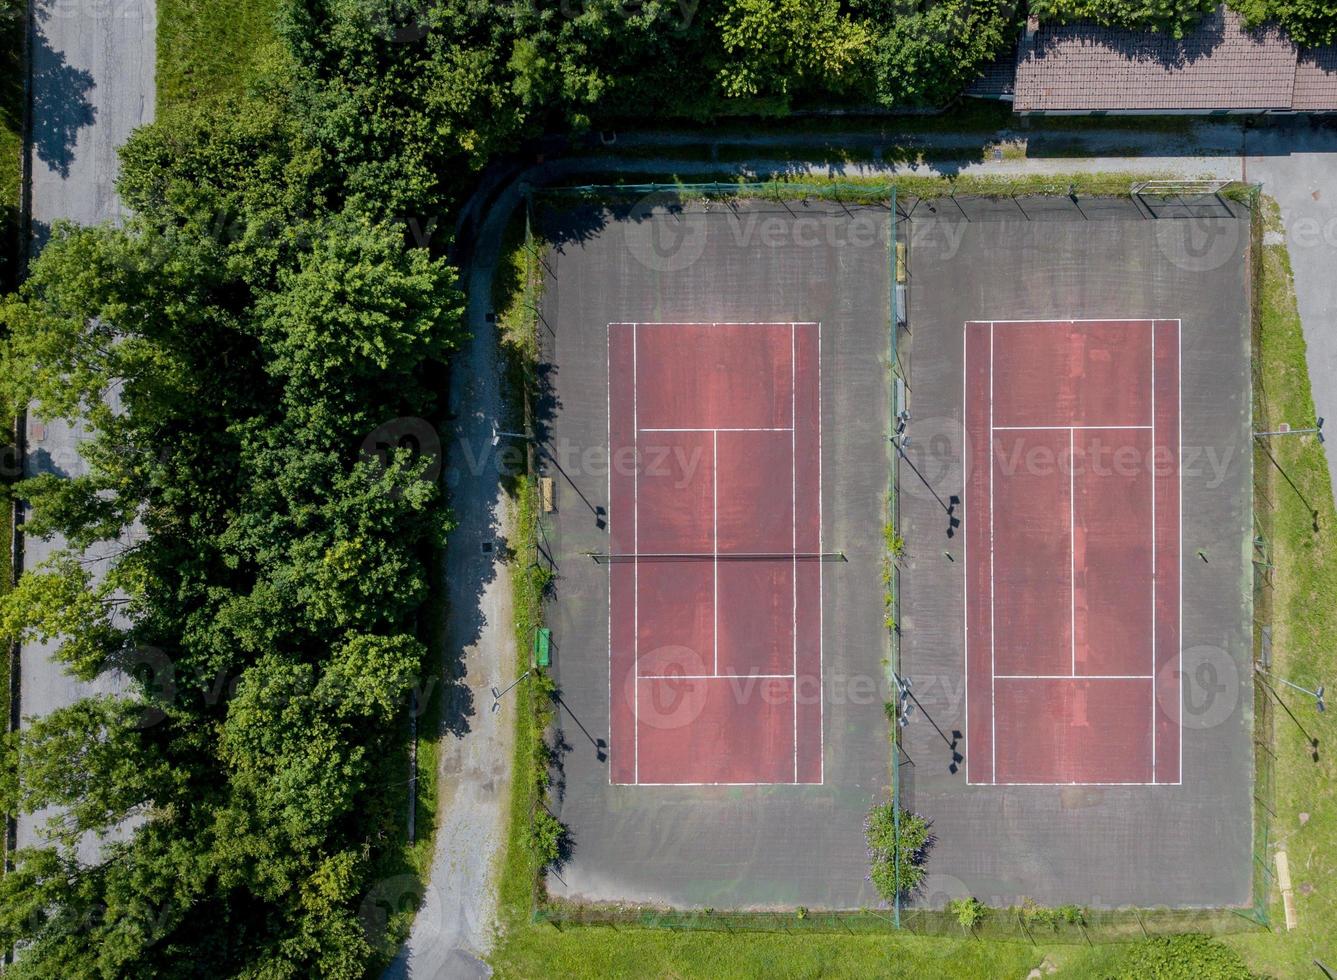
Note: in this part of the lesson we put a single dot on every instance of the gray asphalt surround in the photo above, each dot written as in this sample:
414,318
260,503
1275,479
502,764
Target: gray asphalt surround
746,846
1185,845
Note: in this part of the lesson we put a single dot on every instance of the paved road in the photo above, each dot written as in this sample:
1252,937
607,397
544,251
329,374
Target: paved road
1299,169
93,82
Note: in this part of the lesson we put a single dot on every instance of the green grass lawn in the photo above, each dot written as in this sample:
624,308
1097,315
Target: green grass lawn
212,50
1304,639
11,139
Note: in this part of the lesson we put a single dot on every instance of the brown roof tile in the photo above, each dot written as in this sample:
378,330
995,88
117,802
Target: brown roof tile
1316,80
1220,65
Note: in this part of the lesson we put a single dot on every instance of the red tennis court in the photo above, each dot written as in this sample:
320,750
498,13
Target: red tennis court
714,433
1072,551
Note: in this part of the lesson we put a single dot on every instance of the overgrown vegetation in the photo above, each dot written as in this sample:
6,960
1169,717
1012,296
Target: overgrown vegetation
1173,17
536,839
11,137
898,845
969,912
1309,22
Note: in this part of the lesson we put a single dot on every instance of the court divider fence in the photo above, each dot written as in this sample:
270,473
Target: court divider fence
1018,925
893,568
1033,925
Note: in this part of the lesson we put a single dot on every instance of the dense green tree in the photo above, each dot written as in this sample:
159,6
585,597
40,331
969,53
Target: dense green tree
777,47
1309,22
1171,16
925,53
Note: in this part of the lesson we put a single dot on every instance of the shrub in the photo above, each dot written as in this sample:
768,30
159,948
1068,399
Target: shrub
969,912
1186,957
546,836
897,860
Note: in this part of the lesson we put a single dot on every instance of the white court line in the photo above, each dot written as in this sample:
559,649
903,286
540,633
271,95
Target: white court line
674,785
1087,319
793,523
608,422
1056,428
1074,677
821,577
1072,540
715,677
993,661
715,519
723,428
636,571
1179,630
1074,783
965,544
1153,551
720,323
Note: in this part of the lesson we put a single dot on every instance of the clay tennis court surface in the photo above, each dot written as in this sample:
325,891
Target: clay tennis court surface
715,621
1072,551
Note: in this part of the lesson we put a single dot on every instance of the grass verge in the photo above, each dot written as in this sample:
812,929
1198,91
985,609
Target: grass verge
1294,497
213,50
515,287
603,187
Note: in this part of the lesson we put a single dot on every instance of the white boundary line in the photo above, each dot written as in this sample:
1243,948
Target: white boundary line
1072,543
1073,677
1179,370
723,428
715,520
793,526
1084,784
1057,428
821,587
636,569
608,423
993,662
965,541
715,677
1154,622
1080,319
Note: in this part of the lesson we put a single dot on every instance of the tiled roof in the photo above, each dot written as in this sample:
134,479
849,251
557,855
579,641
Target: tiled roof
1316,80
1219,65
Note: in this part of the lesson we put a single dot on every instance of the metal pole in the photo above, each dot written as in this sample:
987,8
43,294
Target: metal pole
497,696
1313,742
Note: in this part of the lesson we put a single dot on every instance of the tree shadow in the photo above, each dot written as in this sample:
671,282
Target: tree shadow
60,104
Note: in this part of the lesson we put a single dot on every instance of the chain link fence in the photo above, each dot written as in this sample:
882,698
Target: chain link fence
1022,925
1018,925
